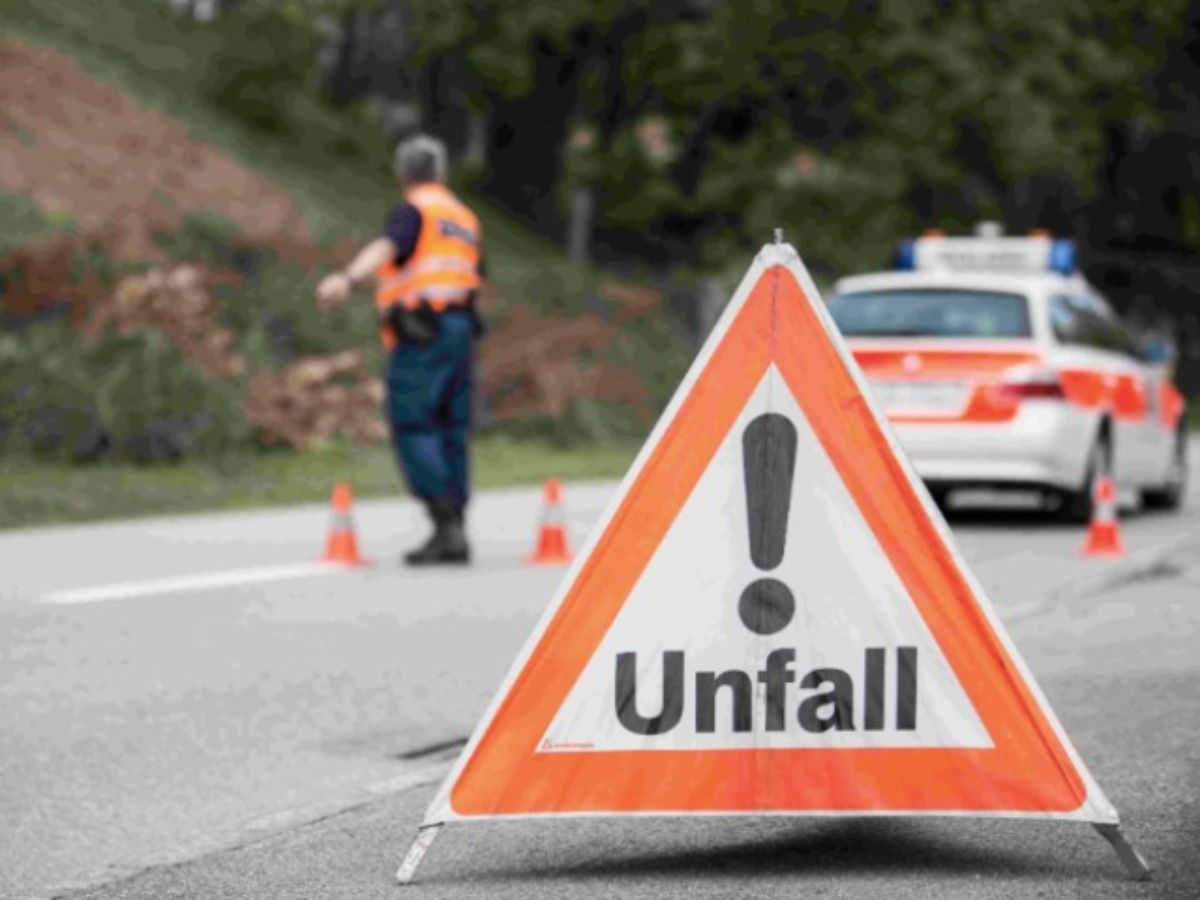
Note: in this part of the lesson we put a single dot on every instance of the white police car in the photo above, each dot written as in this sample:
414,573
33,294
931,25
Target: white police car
1001,367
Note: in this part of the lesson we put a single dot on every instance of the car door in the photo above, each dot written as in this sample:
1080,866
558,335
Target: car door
1137,395
1099,371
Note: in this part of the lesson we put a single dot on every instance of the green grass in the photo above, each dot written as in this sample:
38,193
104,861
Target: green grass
42,493
21,221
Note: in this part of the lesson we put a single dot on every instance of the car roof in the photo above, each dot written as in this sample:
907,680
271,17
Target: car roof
1026,284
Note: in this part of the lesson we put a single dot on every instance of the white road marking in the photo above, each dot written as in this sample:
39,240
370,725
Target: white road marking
188,583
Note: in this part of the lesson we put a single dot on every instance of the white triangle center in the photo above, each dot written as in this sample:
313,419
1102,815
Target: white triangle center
852,665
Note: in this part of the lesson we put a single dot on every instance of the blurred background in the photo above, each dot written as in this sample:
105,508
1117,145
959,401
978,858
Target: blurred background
175,175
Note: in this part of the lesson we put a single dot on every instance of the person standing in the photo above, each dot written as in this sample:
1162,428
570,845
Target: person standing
428,269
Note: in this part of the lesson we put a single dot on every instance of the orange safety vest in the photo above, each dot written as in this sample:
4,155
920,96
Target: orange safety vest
444,267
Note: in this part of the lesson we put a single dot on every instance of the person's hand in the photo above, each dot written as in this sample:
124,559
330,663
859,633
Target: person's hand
334,290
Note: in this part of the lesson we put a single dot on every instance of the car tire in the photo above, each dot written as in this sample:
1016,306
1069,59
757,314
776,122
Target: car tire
1077,506
1171,494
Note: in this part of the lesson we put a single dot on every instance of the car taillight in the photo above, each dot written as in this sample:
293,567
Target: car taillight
1040,384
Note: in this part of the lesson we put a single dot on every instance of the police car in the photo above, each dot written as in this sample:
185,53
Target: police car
1001,367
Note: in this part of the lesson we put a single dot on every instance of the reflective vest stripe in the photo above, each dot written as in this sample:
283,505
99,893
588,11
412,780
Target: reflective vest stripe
411,298
409,288
433,264
437,291
445,263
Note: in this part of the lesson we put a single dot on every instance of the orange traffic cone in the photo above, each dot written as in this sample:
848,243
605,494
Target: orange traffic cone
342,546
551,549
1104,533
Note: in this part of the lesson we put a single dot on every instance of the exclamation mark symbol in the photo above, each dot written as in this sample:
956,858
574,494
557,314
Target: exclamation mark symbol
769,461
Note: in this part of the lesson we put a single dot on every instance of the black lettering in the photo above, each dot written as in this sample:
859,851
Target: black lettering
707,684
906,689
776,676
672,704
768,462
841,698
874,676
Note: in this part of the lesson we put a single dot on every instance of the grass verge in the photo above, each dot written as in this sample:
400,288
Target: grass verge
44,493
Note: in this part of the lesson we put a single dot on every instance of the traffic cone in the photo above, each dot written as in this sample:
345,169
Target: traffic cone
342,546
551,549
1104,532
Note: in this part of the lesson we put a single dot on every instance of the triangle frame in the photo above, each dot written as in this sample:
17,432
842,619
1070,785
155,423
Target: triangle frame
775,317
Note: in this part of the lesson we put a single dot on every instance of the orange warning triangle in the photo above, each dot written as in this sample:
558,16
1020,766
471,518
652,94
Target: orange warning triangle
771,618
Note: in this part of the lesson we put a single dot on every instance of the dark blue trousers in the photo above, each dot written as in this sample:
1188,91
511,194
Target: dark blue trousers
429,408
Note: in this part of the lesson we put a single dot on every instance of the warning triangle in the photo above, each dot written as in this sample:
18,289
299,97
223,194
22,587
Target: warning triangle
771,618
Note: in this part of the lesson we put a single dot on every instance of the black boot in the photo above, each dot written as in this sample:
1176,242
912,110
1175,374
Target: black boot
448,546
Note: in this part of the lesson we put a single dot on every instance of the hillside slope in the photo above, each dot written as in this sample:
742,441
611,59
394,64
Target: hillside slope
151,165
86,149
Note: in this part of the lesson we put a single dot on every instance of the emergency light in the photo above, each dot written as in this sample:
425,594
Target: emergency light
1002,255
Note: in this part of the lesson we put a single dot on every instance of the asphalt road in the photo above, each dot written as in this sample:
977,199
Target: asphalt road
280,736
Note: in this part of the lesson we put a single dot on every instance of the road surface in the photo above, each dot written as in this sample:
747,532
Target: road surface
190,709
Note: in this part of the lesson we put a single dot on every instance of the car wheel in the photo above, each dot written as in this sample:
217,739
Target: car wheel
1172,492
1077,505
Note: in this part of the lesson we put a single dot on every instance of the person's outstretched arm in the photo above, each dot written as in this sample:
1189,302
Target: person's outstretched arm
336,287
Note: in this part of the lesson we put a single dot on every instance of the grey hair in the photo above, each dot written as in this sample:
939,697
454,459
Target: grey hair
420,158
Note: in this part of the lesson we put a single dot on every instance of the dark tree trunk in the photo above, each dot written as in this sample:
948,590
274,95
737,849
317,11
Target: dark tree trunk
443,87
343,85
526,136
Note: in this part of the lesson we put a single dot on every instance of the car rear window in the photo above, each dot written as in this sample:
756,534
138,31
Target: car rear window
932,314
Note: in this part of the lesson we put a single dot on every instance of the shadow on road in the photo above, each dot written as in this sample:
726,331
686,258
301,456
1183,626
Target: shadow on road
864,847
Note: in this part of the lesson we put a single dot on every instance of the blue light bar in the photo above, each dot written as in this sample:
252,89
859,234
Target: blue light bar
1002,255
1062,257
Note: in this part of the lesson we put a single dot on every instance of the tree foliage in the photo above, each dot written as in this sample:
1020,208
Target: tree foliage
703,124
720,120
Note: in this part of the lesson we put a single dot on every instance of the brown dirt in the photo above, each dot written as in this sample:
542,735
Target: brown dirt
80,147
92,152
316,398
177,303
535,365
